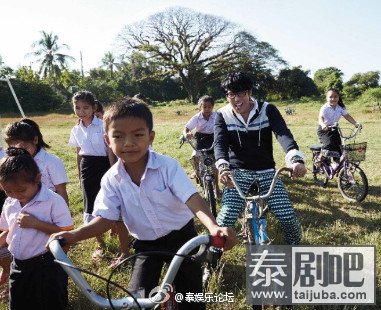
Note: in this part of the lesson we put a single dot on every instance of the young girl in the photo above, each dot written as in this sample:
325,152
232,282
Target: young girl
329,114
30,214
203,125
5,256
99,110
26,134
93,155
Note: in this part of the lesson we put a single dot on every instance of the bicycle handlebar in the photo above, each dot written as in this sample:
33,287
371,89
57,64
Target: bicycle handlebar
183,139
353,133
271,189
55,247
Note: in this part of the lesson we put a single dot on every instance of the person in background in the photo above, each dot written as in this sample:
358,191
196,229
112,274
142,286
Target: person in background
154,197
94,157
31,213
5,255
26,134
201,127
99,111
329,114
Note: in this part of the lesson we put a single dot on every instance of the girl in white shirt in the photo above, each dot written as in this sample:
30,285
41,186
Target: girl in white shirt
94,157
329,114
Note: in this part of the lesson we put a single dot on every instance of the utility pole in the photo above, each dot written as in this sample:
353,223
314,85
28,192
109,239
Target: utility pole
80,53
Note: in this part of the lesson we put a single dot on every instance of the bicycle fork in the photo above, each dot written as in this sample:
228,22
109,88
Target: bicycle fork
258,223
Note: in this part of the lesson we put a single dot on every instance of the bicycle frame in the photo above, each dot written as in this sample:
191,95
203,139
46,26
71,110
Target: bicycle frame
207,172
352,181
129,302
255,211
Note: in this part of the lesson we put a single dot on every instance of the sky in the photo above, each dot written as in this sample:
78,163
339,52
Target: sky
313,34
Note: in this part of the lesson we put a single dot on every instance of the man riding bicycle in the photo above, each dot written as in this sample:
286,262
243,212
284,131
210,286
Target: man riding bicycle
243,140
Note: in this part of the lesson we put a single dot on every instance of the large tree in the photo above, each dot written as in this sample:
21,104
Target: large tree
52,61
328,78
295,83
187,44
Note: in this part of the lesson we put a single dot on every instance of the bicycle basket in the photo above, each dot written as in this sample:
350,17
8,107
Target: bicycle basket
356,151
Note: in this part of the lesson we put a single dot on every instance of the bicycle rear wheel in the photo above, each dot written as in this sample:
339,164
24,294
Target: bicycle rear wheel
352,183
210,189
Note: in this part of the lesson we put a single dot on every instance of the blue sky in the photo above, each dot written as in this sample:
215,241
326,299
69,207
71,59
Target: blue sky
314,34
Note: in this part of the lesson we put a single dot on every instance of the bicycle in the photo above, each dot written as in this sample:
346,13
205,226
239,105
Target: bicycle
352,181
254,230
207,173
134,300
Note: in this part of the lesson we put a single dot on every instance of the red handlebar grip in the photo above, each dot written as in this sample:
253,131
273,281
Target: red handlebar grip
218,241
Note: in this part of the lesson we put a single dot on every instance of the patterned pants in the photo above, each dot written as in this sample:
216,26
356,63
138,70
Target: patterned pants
279,203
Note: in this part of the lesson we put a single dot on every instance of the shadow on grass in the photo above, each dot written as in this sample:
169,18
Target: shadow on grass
337,220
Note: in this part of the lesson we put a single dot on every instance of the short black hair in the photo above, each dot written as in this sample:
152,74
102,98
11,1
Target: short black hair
205,98
128,107
84,95
236,82
18,164
24,130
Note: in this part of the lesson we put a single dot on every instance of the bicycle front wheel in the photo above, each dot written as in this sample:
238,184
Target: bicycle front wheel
353,183
211,197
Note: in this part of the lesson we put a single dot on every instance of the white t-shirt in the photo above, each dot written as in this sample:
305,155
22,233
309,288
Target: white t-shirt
200,124
154,208
89,139
331,115
52,169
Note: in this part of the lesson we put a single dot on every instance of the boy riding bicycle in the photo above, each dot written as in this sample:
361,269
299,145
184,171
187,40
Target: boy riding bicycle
243,140
155,199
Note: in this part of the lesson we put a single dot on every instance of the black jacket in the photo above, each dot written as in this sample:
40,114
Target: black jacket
250,146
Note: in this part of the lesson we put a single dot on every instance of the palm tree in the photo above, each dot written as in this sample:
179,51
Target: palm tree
50,58
108,61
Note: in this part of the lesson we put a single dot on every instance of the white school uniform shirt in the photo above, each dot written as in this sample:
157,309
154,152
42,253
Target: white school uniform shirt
89,139
200,124
47,206
153,209
52,169
331,115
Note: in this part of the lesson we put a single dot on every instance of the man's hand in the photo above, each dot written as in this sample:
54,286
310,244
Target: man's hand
298,170
226,178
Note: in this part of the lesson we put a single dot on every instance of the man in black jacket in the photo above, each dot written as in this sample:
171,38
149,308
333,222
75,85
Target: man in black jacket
243,140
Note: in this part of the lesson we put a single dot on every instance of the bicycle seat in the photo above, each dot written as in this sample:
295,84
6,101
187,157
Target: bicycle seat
253,189
316,148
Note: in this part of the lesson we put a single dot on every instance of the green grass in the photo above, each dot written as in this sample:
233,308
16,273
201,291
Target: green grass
326,217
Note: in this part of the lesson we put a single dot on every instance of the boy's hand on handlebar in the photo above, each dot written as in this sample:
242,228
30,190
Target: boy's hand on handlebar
228,233
226,178
298,170
67,235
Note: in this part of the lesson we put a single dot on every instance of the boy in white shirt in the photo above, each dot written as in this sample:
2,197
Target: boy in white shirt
154,197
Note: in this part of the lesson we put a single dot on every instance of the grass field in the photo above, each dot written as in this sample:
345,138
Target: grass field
326,217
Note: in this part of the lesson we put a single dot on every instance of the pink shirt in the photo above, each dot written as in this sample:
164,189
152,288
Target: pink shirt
46,206
154,208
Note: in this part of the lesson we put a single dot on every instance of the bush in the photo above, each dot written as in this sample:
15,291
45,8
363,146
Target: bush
370,96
